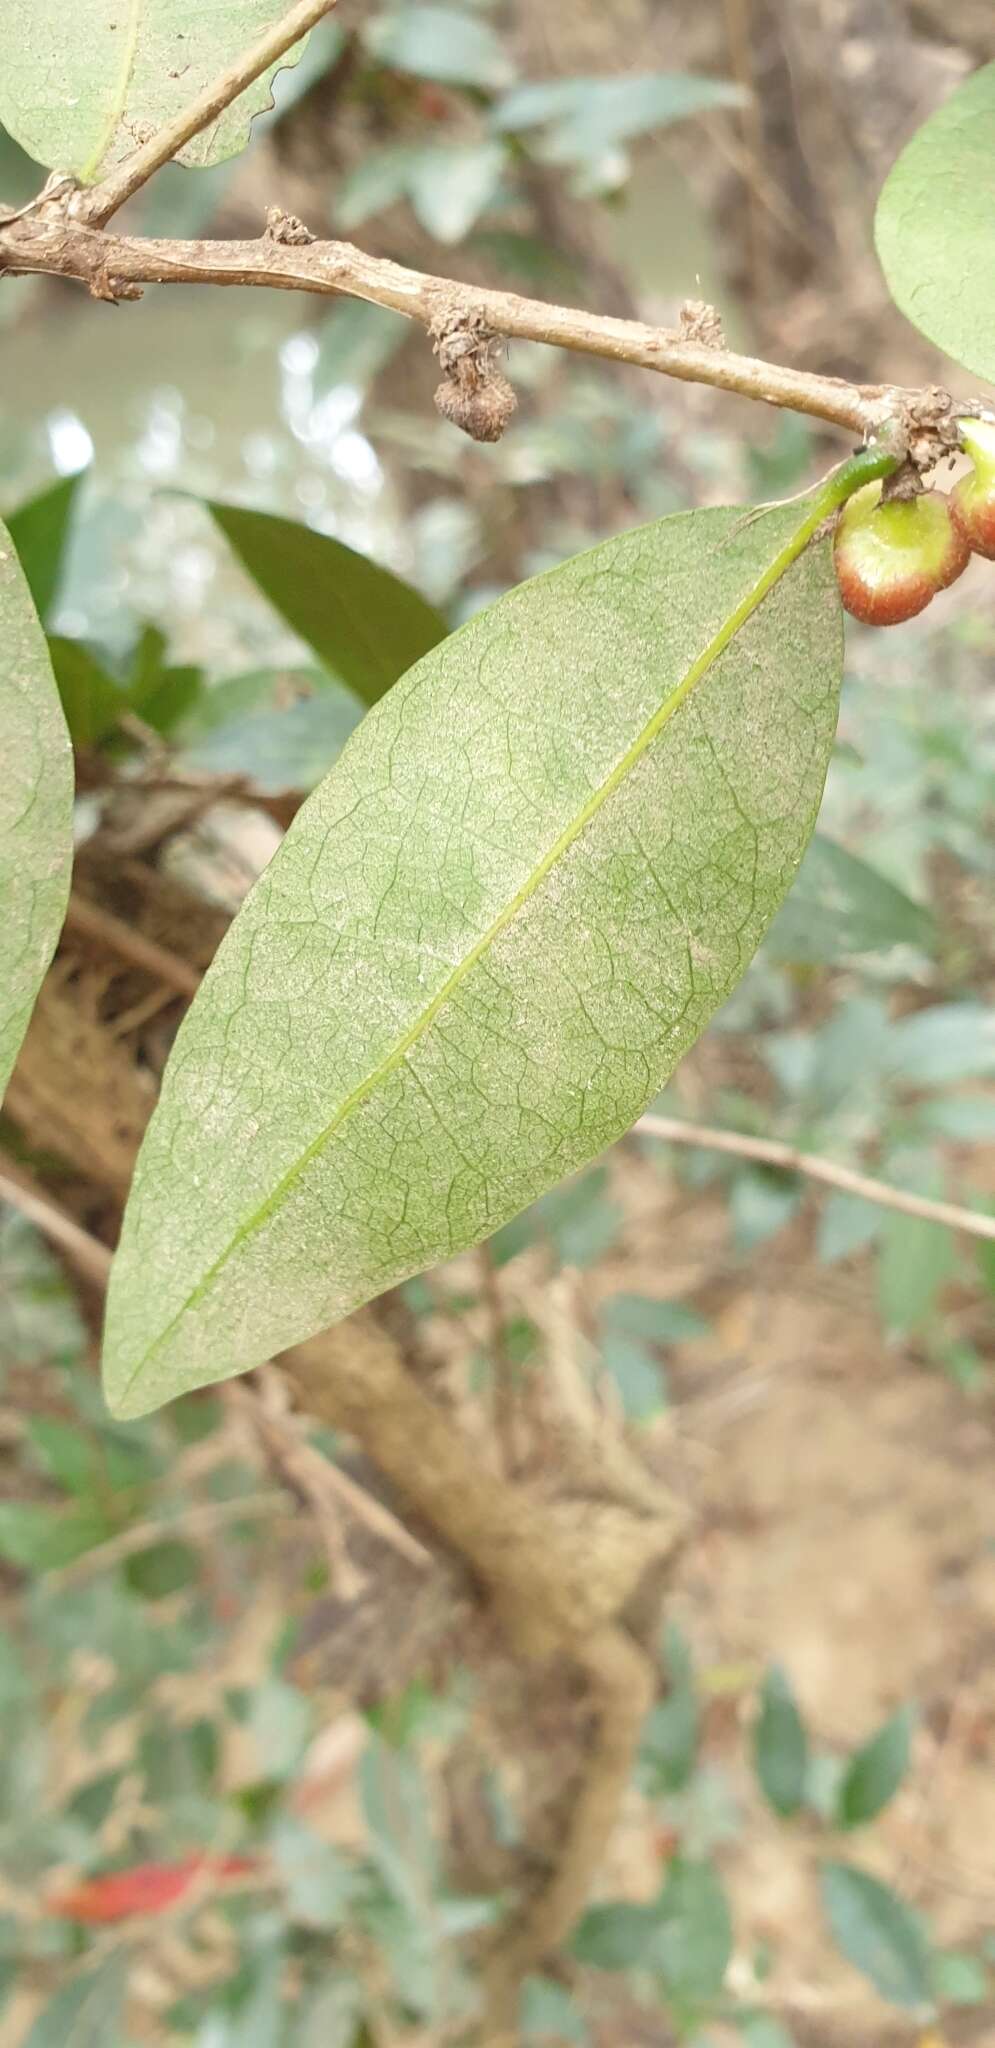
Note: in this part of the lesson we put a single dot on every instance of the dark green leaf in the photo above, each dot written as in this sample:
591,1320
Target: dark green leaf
164,1568
36,808
91,1803
875,1771
364,623
878,1933
91,698
933,226
79,85
780,1744
39,530
463,973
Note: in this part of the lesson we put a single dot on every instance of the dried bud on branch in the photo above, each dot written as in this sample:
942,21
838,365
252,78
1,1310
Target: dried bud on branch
474,393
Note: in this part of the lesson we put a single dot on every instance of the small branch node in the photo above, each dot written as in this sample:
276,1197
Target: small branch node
902,485
702,323
287,229
474,393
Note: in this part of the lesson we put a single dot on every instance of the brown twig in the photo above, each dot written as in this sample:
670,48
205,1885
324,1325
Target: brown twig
91,1259
112,266
262,1401
89,921
771,1152
101,201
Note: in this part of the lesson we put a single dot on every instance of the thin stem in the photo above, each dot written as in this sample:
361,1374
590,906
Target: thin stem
91,922
771,1152
98,204
91,1258
117,266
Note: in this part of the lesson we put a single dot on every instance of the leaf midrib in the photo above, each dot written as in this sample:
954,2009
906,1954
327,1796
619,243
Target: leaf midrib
571,832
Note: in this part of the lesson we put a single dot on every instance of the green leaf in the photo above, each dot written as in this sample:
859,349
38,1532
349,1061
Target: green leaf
615,1936
67,1453
85,2012
878,1933
933,226
761,1202
537,868
839,906
587,116
760,2031
638,1376
163,1568
363,622
379,180
39,1319
320,1882
660,1322
846,1225
693,1945
40,1538
452,184
669,1741
547,2011
958,1979
441,43
332,2016
914,1261
875,1771
780,1744
279,750
948,1042
36,808
80,86
91,698
39,530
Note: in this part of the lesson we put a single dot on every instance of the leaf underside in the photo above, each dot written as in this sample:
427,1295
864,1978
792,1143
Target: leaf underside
933,226
536,869
83,85
36,800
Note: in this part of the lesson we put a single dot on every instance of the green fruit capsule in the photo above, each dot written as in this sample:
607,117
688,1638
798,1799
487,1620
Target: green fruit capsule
891,558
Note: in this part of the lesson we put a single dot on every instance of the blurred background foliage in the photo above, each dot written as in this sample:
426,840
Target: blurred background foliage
815,1371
